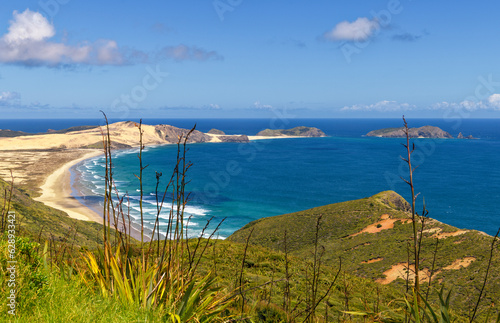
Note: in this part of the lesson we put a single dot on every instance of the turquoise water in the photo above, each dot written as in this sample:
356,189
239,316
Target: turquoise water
244,182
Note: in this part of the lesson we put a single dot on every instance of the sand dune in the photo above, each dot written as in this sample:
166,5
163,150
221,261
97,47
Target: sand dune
125,133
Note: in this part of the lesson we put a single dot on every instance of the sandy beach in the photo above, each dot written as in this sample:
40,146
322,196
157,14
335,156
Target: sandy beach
56,191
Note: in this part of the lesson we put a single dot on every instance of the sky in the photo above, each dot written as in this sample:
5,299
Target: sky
242,58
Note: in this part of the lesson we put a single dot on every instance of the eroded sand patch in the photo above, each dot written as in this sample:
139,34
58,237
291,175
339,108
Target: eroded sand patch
402,271
460,263
371,261
385,223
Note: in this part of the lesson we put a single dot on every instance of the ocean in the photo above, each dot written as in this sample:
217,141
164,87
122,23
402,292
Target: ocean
242,182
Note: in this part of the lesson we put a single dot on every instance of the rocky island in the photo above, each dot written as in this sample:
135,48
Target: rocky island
294,132
461,136
422,132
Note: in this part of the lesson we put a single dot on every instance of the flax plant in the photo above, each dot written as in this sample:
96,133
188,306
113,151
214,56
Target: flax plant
165,278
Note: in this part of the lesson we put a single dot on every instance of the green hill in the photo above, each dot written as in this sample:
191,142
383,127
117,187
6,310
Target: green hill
41,222
345,232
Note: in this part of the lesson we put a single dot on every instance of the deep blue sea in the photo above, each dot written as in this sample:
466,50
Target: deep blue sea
459,179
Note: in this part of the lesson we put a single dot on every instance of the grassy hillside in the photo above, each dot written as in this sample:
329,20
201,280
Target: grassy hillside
40,222
371,255
274,283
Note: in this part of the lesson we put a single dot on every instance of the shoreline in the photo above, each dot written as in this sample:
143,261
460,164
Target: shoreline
56,191
57,188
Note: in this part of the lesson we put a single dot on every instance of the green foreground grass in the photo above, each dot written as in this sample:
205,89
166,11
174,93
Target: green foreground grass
50,248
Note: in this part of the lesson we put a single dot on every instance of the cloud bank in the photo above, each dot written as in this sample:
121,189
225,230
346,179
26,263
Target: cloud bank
382,106
28,43
491,104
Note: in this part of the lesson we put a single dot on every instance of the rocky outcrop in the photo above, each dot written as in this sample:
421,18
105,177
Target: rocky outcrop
216,132
461,136
294,132
422,132
171,134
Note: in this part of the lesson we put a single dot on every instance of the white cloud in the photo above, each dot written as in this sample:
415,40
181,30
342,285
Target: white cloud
473,105
358,30
28,26
494,100
260,106
382,106
493,103
9,96
27,43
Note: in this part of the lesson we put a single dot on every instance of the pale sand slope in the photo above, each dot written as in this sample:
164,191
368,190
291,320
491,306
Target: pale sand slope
121,132
56,192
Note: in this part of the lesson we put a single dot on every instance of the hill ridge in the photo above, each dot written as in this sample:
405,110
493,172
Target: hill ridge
371,235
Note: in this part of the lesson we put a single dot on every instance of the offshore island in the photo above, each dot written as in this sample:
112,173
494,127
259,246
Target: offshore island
422,132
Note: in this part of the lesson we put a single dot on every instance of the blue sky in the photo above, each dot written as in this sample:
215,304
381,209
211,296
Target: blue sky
241,58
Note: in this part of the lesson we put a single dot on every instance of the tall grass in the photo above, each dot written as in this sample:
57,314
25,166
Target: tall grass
164,273
414,216
6,203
